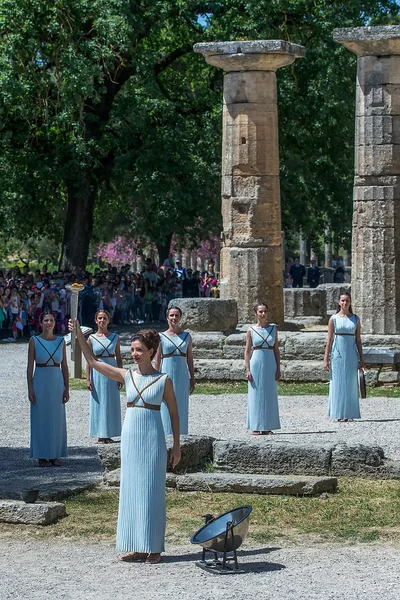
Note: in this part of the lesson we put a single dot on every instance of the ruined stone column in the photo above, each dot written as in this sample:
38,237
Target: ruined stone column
303,250
251,253
376,217
328,248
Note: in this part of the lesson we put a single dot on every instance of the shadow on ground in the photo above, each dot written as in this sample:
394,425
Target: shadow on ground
81,470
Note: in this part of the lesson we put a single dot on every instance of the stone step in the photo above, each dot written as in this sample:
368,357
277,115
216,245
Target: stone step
233,370
40,513
196,451
241,483
288,458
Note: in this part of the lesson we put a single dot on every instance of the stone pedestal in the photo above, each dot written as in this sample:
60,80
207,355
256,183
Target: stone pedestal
376,230
251,253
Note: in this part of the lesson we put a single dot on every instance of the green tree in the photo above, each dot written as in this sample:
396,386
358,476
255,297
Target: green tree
109,122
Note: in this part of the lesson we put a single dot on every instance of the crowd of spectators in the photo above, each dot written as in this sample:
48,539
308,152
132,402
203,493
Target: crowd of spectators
129,297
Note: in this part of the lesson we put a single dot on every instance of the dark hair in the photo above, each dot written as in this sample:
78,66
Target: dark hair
172,308
149,337
257,306
44,314
104,311
350,307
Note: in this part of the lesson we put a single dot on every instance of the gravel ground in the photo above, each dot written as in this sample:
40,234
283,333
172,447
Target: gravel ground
93,572
28,568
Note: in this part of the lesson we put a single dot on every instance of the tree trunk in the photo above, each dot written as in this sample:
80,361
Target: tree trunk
78,225
164,248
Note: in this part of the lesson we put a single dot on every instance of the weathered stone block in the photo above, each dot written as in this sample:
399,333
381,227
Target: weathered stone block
239,483
378,100
219,370
254,87
196,451
40,513
208,345
304,302
272,457
387,377
113,479
252,275
379,212
381,356
333,291
372,42
377,160
207,314
378,70
378,129
357,459
309,370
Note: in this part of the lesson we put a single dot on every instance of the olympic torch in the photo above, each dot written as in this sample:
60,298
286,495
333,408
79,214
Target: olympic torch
74,288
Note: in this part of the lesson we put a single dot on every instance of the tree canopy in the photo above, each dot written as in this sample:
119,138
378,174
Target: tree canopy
110,123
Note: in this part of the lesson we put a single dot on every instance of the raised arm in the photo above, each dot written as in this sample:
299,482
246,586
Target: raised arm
169,397
157,358
109,371
189,358
247,354
329,341
88,378
359,345
29,371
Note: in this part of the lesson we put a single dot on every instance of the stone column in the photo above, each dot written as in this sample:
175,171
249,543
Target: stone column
251,253
376,217
193,258
303,250
347,258
328,248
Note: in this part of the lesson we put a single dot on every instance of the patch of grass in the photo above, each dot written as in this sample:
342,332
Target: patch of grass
363,511
214,388
77,384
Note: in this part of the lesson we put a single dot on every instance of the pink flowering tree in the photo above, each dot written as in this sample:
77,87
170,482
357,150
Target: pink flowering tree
120,251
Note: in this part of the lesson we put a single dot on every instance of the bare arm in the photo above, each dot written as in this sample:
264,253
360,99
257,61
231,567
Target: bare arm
277,357
359,345
329,341
169,397
108,370
118,354
189,358
88,380
29,371
157,359
247,354
65,372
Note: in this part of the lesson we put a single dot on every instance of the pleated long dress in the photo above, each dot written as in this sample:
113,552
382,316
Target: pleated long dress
174,363
142,511
48,421
262,408
104,402
343,388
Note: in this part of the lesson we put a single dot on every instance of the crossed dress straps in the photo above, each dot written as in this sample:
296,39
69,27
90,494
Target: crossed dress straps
264,339
105,348
46,364
139,393
177,347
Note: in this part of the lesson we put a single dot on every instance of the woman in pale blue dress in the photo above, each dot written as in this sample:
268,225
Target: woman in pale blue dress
343,358
142,510
175,357
48,391
262,362
105,402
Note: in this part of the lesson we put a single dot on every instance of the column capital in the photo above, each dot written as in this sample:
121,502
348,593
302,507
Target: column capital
370,41
258,55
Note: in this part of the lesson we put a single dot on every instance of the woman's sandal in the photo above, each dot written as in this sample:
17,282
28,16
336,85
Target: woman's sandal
43,462
256,433
153,558
56,462
269,432
134,557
